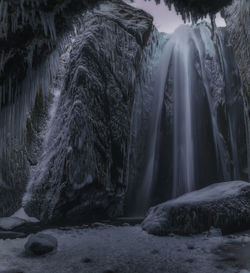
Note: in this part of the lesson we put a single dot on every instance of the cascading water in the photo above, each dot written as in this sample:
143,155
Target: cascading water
183,161
191,138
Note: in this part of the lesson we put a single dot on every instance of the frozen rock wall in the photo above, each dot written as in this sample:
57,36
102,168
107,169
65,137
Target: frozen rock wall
82,172
237,17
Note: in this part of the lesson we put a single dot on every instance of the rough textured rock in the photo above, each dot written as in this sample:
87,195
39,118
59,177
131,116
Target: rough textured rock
223,205
40,244
237,17
83,172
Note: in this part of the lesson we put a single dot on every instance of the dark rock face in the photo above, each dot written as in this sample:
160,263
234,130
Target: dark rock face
40,244
223,205
237,17
84,172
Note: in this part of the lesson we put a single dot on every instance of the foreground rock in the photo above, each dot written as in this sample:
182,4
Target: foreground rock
10,223
223,205
40,244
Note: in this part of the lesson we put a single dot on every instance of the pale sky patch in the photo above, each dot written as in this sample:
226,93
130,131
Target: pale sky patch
164,19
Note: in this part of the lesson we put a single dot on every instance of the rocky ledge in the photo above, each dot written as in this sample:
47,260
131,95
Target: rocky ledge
222,205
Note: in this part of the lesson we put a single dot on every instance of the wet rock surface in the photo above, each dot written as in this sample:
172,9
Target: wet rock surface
86,170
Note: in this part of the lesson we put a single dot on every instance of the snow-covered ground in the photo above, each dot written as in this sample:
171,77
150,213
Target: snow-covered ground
128,249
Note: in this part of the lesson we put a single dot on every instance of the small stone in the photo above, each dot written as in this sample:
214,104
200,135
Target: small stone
40,244
86,260
155,251
191,247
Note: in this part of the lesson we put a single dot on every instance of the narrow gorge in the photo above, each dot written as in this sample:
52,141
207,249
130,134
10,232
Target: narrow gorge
110,127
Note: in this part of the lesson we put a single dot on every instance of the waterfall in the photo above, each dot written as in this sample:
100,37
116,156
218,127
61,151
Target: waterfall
183,157
191,136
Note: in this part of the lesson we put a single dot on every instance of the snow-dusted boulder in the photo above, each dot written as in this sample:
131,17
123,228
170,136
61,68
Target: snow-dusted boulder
40,244
223,205
83,172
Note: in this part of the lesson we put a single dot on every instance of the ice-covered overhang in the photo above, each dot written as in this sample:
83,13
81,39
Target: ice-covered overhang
31,29
41,22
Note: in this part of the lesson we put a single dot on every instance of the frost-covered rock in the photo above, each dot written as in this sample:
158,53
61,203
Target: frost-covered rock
40,244
10,223
223,205
82,171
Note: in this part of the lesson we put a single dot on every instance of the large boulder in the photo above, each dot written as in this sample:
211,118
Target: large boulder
222,205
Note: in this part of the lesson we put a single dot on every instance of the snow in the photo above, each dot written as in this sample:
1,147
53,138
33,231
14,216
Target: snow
21,214
18,219
123,249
